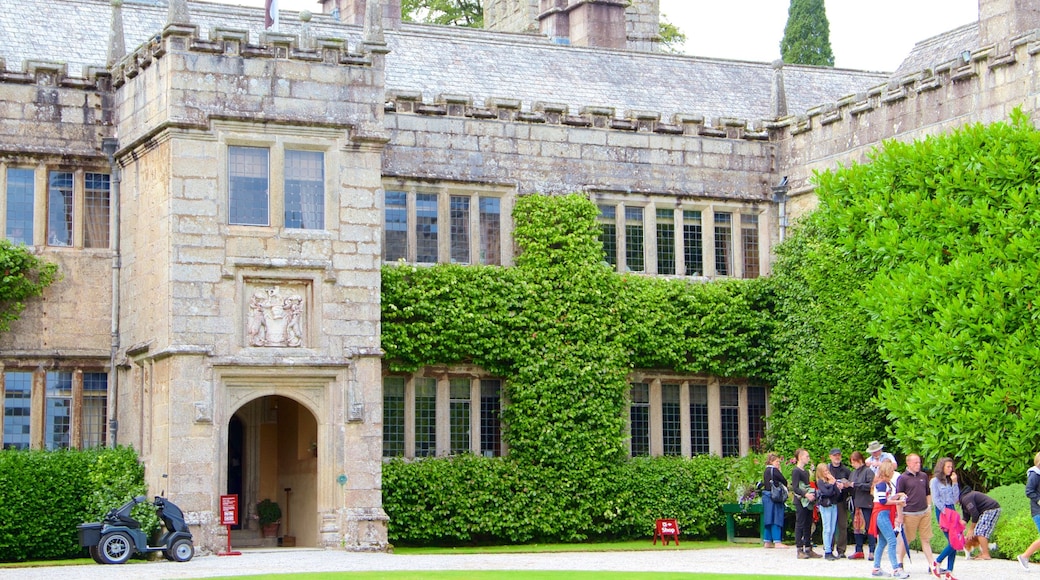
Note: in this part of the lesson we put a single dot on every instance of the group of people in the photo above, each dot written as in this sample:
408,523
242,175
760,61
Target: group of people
884,505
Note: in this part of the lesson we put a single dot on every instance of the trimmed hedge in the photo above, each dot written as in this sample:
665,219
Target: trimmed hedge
470,499
1015,529
44,495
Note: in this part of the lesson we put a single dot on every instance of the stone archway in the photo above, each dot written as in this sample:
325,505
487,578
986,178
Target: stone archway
278,461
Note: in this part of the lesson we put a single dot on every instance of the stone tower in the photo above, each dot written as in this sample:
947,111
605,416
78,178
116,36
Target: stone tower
1001,20
353,11
604,23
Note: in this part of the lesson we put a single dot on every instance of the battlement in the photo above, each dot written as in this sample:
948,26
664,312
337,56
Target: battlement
889,98
600,117
220,41
236,43
55,74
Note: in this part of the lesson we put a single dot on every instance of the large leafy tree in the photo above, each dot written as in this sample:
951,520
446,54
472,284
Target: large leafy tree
940,240
22,276
807,36
451,12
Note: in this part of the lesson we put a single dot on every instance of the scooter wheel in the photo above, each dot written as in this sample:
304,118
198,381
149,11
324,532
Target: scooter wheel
115,548
95,554
181,551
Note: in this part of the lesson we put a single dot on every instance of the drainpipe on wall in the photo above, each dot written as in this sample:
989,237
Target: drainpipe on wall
109,146
780,199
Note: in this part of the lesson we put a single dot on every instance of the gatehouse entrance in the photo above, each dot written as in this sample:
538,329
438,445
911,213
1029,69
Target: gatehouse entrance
272,454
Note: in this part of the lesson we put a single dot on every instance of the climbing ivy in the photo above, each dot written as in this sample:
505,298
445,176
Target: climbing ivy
564,330
22,276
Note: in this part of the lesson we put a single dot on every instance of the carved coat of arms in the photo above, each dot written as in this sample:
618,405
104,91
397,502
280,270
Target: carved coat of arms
274,320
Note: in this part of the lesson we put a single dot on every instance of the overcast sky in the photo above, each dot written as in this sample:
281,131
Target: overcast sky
873,35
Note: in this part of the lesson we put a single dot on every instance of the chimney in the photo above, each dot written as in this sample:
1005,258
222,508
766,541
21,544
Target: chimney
353,11
554,21
1001,20
116,41
599,23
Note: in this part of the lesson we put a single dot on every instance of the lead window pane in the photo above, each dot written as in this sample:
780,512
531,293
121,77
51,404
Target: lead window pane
608,233
634,260
60,196
730,404
58,428
639,419
426,227
95,409
20,196
458,415
700,442
458,214
665,241
723,244
749,244
248,186
671,419
756,413
393,416
17,409
693,243
425,417
304,189
96,205
490,230
395,226
491,417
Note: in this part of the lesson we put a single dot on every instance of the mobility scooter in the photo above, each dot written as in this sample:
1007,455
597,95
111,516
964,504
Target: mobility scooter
119,536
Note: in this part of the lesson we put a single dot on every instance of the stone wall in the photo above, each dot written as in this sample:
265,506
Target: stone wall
984,89
551,150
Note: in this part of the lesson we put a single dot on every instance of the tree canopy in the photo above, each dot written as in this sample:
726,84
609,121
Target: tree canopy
920,281
807,36
22,276
466,13
672,38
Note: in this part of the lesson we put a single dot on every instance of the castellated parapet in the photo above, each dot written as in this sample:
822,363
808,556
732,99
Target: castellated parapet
982,86
281,80
547,149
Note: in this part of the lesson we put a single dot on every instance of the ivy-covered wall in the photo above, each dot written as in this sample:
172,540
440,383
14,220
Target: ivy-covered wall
564,330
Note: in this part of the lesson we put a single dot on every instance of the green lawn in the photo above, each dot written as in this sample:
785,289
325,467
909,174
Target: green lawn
511,575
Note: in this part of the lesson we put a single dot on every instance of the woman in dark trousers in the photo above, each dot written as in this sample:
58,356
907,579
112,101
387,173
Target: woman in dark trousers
772,513
804,496
863,502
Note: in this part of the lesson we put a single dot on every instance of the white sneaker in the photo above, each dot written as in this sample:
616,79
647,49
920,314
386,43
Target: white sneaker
900,573
1024,561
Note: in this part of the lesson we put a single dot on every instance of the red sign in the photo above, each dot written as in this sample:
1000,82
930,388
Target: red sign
666,529
229,510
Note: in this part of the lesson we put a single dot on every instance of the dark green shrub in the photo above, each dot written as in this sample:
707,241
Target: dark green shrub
44,495
477,500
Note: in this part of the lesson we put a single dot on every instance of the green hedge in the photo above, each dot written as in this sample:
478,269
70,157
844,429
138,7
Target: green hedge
470,499
1015,529
44,495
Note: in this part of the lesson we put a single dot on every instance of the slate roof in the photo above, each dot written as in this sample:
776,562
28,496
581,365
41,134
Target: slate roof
939,49
436,60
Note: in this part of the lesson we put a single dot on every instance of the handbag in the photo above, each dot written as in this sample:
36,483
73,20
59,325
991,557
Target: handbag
778,493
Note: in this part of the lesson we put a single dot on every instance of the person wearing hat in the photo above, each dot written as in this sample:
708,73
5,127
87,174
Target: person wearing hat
842,476
876,454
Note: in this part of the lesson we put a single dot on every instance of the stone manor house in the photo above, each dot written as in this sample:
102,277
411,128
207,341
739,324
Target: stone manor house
220,199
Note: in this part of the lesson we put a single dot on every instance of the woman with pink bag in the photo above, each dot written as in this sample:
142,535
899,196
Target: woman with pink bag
945,494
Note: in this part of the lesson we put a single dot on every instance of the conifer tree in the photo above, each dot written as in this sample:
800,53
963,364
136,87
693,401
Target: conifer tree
807,37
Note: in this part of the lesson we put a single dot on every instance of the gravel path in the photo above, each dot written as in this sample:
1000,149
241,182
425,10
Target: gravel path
738,559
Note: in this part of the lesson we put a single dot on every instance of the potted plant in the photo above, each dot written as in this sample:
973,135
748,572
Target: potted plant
269,515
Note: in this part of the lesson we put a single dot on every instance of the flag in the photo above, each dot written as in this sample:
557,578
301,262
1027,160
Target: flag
271,15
